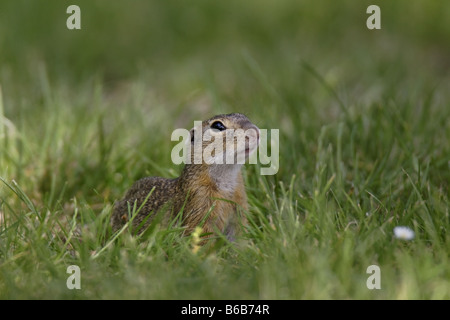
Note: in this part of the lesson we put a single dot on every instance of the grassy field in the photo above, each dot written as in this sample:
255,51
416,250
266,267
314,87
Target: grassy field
364,146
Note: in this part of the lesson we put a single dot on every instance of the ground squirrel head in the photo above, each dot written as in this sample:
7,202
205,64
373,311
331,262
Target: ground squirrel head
224,139
219,147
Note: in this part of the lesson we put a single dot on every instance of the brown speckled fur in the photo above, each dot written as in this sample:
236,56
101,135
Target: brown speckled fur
196,192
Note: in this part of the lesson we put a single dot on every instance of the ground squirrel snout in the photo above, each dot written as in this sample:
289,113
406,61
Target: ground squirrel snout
210,193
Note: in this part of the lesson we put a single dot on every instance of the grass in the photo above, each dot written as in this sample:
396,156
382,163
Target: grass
364,147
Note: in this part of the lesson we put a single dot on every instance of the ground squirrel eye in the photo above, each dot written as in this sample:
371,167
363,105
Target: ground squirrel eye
218,125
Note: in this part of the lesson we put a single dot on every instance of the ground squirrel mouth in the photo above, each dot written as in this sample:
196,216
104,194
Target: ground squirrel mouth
250,148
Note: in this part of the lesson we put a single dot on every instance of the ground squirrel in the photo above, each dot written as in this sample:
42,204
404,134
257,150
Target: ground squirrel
210,193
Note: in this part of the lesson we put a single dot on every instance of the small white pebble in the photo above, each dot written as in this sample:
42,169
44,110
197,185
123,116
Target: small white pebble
404,233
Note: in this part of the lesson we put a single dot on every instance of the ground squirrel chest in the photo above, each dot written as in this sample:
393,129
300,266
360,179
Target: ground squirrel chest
210,190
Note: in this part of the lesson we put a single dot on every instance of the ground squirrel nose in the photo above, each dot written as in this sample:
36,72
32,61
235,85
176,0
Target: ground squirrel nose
252,134
251,126
257,133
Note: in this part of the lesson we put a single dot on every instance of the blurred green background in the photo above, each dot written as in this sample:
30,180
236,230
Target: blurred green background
179,62
284,63
121,40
